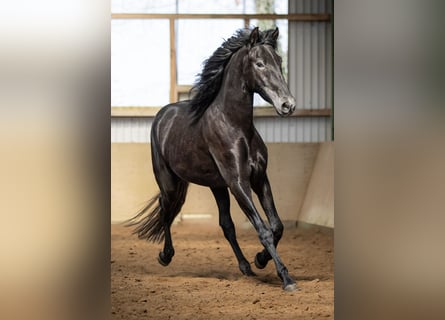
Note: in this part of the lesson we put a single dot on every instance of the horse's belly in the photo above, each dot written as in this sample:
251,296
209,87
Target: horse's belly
198,168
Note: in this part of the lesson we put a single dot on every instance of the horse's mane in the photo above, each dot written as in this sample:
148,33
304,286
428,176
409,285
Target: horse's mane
209,81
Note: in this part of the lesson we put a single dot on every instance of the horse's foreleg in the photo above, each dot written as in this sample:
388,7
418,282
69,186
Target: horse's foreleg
226,223
264,192
242,194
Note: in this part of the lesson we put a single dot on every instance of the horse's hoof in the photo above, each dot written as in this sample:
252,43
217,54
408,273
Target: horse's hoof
258,264
291,287
161,261
245,269
249,273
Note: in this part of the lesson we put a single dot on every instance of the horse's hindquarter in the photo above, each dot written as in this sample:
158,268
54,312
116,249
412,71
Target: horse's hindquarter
183,148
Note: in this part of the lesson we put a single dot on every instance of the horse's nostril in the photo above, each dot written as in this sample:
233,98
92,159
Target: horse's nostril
285,107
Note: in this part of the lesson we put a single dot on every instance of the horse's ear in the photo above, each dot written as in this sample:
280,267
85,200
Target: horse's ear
275,34
254,35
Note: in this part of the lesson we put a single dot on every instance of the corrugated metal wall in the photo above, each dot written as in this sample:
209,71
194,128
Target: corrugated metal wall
128,130
310,67
137,130
310,70
293,129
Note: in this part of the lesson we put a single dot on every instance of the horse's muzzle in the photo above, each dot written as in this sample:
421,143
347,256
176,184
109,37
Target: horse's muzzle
287,109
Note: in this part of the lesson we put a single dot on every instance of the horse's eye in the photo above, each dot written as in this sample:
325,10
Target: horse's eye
260,64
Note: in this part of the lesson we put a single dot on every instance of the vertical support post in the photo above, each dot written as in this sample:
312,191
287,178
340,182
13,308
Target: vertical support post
173,67
246,23
332,72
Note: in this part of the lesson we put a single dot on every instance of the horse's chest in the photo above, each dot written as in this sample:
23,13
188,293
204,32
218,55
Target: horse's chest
258,163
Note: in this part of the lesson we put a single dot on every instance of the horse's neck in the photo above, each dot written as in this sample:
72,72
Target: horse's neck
234,100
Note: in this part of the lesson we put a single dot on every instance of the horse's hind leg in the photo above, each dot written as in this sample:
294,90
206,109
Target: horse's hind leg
171,202
172,196
226,223
264,192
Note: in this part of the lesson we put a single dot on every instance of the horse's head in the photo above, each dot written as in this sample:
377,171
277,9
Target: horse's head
263,66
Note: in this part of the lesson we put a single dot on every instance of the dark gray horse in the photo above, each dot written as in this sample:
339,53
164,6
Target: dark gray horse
210,140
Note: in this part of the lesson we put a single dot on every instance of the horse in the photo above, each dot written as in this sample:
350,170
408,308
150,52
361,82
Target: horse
210,140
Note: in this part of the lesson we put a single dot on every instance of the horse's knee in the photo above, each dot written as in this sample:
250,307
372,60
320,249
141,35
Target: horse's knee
277,229
266,237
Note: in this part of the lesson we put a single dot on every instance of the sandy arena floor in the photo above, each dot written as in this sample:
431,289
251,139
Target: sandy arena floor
203,280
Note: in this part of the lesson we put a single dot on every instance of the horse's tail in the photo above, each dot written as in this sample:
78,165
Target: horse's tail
150,226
